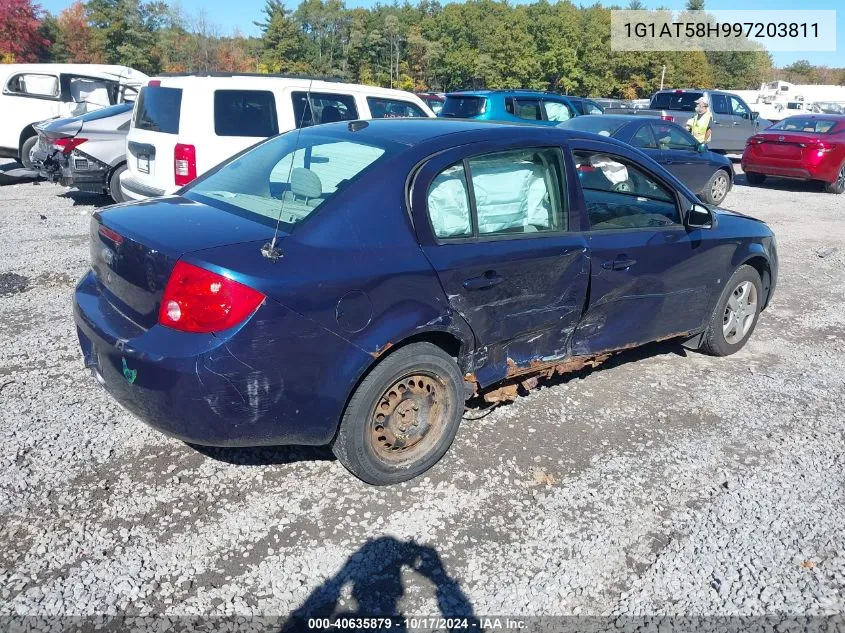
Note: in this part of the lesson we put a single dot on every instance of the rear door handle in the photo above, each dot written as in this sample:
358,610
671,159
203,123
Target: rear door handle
487,280
620,263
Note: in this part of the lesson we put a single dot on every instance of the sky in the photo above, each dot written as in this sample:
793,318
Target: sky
228,16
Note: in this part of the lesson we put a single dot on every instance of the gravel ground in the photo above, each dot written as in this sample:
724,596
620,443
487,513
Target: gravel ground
665,483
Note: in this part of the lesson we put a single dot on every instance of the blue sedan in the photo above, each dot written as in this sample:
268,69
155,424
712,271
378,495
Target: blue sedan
708,174
353,284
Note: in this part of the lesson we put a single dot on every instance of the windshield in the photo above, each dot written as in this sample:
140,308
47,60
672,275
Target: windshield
805,124
684,101
594,124
281,176
463,107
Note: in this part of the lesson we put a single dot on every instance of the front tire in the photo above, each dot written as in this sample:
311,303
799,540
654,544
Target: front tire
114,184
403,416
838,185
27,149
717,188
755,179
736,313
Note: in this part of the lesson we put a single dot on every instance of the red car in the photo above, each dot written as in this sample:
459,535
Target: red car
803,147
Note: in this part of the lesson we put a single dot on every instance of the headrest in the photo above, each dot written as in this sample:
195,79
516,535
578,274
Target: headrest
305,183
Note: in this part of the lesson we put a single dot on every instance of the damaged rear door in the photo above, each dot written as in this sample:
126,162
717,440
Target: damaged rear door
495,222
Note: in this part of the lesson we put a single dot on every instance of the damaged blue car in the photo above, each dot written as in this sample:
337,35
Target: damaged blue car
354,284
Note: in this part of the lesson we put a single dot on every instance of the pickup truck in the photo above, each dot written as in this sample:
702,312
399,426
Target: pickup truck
733,121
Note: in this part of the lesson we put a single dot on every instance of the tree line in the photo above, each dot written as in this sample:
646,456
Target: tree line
424,46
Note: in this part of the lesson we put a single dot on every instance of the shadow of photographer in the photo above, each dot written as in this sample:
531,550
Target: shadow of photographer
375,574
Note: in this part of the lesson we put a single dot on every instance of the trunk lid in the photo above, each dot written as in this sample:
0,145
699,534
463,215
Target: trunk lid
789,146
132,256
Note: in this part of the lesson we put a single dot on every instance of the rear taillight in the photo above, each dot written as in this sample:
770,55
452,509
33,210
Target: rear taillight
667,117
754,140
67,145
822,148
198,300
184,164
114,236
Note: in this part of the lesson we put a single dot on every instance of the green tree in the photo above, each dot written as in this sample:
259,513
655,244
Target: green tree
282,39
126,30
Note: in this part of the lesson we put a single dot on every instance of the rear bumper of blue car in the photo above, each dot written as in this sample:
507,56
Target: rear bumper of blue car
276,379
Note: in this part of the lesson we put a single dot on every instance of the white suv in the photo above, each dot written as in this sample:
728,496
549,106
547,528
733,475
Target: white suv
184,125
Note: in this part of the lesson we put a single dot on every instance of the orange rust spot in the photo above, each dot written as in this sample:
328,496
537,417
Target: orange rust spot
381,350
506,393
536,369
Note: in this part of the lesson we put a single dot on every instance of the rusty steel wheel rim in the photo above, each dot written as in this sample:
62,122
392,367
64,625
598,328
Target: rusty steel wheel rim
409,417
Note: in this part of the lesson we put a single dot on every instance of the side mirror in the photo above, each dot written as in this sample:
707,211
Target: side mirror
699,217
754,115
702,147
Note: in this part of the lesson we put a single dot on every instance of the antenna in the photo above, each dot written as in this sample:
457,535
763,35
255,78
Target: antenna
269,250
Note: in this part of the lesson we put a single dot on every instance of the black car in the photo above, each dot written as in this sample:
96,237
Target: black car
707,173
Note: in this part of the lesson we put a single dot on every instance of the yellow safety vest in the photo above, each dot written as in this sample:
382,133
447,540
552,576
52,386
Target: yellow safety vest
699,125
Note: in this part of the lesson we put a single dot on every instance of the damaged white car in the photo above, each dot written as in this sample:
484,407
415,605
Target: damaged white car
32,93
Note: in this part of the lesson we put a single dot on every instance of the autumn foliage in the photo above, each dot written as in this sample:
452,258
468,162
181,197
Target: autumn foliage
20,37
76,36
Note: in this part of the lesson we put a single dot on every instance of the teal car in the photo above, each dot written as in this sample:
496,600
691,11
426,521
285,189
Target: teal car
544,108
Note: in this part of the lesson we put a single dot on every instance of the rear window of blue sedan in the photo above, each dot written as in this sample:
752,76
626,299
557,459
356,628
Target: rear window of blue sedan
288,177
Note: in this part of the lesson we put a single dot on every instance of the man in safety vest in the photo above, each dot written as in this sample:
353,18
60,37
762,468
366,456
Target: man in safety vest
701,123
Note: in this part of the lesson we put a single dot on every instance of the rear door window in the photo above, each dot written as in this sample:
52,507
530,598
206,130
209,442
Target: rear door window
314,108
720,104
505,193
158,109
673,137
644,139
381,108
528,109
557,110
245,113
518,192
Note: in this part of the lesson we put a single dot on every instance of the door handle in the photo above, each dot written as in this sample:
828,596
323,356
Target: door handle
620,263
736,122
487,280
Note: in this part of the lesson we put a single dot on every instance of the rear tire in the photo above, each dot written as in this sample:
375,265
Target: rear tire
754,178
736,313
403,416
717,188
27,149
838,185
114,184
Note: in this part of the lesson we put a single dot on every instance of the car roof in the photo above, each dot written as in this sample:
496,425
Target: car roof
87,70
419,131
245,81
486,93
